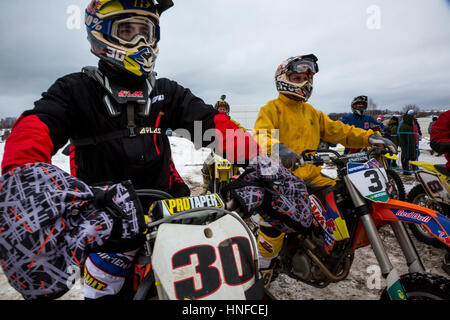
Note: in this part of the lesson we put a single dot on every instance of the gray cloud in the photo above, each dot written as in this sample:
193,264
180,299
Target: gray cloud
234,47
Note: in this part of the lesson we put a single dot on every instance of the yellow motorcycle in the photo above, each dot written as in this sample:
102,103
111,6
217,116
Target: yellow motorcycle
433,192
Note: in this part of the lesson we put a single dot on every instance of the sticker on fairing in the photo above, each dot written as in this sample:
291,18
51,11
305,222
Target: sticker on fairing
439,226
169,207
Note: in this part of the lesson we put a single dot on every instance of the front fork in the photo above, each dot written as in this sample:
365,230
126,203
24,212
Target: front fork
394,286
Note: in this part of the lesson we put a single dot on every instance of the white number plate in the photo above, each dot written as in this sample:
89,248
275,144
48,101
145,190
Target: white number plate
432,184
370,179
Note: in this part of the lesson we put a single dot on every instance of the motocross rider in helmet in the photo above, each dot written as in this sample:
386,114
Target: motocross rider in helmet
359,119
115,116
222,105
301,127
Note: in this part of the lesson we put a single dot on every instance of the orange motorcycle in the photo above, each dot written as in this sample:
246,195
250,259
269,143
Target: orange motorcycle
348,217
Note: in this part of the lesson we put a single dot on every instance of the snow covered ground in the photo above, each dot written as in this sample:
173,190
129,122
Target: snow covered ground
363,282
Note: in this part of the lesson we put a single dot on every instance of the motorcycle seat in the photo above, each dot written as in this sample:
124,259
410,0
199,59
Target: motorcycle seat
442,169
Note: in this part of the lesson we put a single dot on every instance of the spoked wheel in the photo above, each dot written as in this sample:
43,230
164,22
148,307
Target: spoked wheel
398,189
418,196
423,286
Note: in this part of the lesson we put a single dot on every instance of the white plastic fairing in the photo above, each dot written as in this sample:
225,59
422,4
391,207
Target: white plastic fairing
213,261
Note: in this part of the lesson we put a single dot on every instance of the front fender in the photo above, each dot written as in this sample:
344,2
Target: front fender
395,210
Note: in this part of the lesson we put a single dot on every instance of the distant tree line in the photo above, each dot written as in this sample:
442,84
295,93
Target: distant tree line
373,111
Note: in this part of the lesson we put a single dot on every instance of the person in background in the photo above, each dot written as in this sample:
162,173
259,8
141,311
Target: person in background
417,130
391,133
359,119
222,107
380,119
440,136
408,141
430,126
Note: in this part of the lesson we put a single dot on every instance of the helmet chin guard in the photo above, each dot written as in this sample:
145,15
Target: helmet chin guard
359,105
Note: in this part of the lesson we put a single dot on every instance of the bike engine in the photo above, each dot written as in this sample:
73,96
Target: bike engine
308,258
302,266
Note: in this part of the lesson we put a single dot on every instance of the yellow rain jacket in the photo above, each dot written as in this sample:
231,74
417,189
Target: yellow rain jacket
300,128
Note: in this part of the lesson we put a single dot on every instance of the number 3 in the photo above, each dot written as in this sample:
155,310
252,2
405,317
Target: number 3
375,180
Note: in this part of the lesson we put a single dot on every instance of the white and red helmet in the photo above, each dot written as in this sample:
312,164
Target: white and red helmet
298,64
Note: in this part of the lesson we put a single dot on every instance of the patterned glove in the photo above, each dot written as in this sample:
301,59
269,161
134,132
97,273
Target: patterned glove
50,221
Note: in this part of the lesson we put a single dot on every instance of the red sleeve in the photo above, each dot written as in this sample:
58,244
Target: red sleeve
440,132
237,144
29,142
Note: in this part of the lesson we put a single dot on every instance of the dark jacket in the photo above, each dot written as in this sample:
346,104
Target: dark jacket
391,130
407,140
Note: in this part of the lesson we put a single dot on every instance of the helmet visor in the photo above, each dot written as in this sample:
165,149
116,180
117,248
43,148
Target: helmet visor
130,31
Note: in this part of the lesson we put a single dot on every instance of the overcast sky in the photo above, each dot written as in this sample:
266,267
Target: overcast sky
396,52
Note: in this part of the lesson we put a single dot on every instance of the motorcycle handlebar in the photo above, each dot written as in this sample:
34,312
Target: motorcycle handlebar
318,160
196,213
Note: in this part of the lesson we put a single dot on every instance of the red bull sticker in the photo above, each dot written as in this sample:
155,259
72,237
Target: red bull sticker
325,222
439,226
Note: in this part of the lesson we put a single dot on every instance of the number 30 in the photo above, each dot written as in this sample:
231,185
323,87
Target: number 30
237,268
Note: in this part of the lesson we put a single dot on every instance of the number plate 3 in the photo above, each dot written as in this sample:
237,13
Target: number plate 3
370,179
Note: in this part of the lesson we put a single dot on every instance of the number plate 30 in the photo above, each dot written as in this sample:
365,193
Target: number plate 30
204,262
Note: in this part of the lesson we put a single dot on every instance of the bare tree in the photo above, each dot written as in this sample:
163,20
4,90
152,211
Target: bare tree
371,107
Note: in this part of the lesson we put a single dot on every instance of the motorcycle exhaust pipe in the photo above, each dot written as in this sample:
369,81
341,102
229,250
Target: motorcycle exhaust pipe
325,270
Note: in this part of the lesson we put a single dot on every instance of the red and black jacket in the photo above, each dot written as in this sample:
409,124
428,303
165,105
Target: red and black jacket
73,108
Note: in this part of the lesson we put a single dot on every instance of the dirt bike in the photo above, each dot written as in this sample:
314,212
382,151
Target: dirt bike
348,218
196,249
433,191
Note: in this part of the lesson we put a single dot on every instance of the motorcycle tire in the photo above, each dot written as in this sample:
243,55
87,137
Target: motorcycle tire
423,286
418,196
397,183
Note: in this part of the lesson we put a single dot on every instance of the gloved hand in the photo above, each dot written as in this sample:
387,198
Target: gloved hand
120,202
290,159
375,139
65,219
